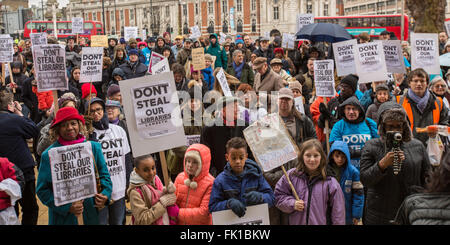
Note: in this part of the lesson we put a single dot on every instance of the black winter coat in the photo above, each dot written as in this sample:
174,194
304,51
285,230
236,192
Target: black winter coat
386,191
30,100
425,209
137,70
19,79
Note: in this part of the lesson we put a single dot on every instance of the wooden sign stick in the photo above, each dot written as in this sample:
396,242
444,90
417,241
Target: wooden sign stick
327,128
164,168
290,183
55,100
3,74
89,105
11,78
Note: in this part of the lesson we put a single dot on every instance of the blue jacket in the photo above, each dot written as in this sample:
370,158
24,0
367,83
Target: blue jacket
366,99
350,184
227,185
61,215
147,53
355,134
209,78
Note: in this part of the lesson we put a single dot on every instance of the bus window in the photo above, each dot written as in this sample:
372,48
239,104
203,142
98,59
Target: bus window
98,26
343,22
380,21
88,26
61,25
50,26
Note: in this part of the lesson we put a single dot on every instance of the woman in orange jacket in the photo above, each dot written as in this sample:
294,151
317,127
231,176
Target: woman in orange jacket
193,187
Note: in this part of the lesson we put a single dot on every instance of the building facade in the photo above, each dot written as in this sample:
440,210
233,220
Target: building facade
372,7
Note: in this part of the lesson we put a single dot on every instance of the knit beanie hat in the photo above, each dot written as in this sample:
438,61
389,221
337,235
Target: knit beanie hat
67,97
239,40
278,50
351,80
193,154
132,40
85,90
381,87
122,41
114,88
133,51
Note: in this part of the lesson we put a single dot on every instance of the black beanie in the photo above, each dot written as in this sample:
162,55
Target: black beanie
351,80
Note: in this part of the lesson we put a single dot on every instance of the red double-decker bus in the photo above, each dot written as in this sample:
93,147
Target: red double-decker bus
64,28
372,24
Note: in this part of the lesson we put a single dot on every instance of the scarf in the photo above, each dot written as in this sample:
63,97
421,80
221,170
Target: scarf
80,139
421,102
103,124
115,122
238,69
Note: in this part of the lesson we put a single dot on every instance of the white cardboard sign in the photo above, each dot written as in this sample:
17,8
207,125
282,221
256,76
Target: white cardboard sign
91,64
303,20
393,56
222,79
50,67
370,62
160,67
254,215
6,49
344,57
195,32
155,58
77,25
38,38
425,52
130,32
324,78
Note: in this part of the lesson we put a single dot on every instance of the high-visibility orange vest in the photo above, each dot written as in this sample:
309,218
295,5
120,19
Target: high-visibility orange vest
404,102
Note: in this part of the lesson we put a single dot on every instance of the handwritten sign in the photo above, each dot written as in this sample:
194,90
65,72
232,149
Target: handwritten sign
324,78
99,41
77,25
91,64
345,57
370,62
425,52
73,173
192,139
130,32
195,32
288,41
160,67
38,38
6,49
303,20
198,59
50,67
222,79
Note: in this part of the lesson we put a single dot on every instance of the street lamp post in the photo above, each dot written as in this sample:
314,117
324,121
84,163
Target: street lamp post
103,15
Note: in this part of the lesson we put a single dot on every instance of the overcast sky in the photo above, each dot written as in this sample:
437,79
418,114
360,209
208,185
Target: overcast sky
62,3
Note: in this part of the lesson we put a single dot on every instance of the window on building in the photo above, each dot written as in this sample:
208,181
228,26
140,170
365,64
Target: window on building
239,5
210,7
325,10
121,15
113,15
253,3
309,8
239,27
224,6
196,8
185,9
276,14
225,27
211,27
167,11
94,16
253,25
132,14
185,28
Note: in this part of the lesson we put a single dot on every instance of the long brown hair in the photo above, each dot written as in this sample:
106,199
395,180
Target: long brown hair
313,143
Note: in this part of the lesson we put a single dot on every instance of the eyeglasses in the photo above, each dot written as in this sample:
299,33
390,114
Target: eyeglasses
440,86
98,110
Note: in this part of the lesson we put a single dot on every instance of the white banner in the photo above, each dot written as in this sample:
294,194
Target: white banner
50,67
130,32
270,142
324,78
160,67
91,64
447,27
303,20
345,57
77,25
425,52
195,32
6,49
73,173
38,38
393,56
288,41
222,79
254,215
145,106
370,62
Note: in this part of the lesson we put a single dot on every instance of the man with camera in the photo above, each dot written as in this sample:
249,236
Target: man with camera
392,166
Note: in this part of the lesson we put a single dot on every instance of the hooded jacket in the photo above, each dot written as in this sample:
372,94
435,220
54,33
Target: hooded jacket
219,52
425,209
355,133
228,185
193,202
116,60
19,79
350,183
384,185
111,52
324,201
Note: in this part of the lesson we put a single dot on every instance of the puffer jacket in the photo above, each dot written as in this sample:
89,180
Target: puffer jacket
324,201
219,52
227,185
351,185
133,70
382,186
8,171
354,133
425,209
193,203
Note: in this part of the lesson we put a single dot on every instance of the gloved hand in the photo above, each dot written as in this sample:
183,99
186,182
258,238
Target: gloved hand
171,188
253,198
354,153
168,199
237,207
324,112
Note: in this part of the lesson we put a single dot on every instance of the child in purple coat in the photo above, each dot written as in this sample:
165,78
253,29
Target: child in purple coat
321,198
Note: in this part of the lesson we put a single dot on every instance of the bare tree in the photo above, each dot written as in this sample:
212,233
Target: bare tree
429,15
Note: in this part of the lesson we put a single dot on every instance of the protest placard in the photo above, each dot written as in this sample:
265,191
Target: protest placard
370,62
155,58
198,59
195,32
393,56
38,38
324,78
425,52
153,115
6,49
303,20
254,215
222,79
299,104
91,64
130,32
222,38
50,67
77,25
73,173
447,27
99,41
192,139
288,41
162,66
270,142
144,34
345,57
